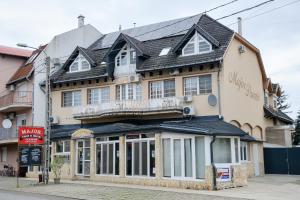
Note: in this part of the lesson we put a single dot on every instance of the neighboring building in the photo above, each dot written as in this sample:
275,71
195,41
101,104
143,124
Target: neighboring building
279,132
59,49
15,101
162,104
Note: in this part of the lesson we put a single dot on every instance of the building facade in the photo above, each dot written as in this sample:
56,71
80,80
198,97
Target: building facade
179,104
15,104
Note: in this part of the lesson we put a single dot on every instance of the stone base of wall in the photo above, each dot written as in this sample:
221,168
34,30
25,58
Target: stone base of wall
239,179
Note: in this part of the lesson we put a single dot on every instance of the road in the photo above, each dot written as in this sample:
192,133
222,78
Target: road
13,195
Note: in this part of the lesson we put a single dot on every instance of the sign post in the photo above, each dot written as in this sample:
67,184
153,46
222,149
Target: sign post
30,141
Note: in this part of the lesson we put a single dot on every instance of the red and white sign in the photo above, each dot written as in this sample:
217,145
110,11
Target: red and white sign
31,135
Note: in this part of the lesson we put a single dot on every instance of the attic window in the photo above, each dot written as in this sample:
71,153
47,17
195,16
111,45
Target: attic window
164,51
126,56
197,45
80,64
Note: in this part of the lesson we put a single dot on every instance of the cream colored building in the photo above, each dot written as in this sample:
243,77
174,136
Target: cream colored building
179,106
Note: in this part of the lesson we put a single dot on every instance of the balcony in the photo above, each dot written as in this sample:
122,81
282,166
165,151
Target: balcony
8,135
130,108
16,101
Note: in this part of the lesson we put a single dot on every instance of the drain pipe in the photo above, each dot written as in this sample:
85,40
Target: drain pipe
214,186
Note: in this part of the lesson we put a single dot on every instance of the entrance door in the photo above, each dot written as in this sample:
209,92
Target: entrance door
83,157
256,159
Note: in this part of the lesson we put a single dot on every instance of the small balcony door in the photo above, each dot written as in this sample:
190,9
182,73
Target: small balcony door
83,157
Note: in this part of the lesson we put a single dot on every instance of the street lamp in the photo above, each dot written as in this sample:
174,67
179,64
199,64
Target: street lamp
47,116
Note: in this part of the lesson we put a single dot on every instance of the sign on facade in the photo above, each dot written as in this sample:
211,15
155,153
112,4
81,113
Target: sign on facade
223,174
31,135
30,156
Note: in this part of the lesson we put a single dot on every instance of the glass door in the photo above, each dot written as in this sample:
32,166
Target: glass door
83,157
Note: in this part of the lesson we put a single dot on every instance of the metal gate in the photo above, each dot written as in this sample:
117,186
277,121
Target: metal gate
282,160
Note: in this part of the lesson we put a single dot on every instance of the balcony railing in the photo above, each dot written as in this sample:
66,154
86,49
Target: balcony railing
15,100
130,107
7,134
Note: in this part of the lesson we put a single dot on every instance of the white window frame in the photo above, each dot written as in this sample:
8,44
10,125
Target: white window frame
79,60
64,152
136,91
73,98
233,152
129,51
107,142
243,147
161,84
3,154
198,84
181,137
266,99
100,97
140,140
197,38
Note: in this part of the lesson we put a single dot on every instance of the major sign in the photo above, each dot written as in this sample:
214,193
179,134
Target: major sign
30,135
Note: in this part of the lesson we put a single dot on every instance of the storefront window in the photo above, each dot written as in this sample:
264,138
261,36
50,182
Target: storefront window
244,151
140,155
222,150
187,156
107,156
63,146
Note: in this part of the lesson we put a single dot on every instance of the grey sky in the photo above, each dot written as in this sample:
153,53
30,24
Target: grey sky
276,34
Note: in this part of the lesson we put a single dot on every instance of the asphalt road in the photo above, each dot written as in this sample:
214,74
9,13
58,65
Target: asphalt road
13,195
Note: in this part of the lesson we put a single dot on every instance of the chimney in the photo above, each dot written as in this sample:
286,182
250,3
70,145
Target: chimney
120,27
240,30
80,21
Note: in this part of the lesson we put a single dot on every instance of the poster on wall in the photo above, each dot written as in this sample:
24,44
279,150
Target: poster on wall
30,156
30,135
223,174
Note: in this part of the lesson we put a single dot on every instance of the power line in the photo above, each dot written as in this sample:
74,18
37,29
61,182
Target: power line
246,9
268,11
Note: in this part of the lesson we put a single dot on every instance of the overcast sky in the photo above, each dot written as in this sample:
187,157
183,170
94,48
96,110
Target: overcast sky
276,34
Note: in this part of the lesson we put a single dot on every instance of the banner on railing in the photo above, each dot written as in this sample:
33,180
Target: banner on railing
31,135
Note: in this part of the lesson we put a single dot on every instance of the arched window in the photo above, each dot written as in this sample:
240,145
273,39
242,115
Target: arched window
196,45
80,64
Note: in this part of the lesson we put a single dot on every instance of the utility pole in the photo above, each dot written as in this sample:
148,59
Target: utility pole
47,123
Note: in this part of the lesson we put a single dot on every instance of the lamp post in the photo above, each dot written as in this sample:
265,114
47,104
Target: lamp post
47,115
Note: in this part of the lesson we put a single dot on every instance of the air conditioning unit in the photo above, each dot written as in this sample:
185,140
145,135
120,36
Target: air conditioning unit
242,49
188,111
134,78
54,119
12,88
188,98
174,72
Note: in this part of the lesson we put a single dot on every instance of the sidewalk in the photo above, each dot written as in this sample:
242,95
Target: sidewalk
270,187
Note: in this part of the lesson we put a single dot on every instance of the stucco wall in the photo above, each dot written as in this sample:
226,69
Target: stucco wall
242,88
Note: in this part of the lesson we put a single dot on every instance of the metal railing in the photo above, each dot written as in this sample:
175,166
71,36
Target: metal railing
169,103
16,98
8,133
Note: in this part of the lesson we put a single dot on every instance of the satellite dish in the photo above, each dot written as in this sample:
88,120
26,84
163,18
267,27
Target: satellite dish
6,123
212,100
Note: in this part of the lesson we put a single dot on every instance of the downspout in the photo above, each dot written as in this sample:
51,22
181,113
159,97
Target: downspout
214,185
219,88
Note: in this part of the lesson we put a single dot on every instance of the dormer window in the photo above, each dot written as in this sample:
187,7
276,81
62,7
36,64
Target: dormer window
126,56
80,64
197,45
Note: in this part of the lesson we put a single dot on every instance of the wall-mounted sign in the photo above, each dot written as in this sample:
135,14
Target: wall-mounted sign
223,174
242,84
30,156
31,135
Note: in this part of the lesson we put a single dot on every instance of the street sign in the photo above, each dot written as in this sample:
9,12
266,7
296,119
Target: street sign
31,135
30,156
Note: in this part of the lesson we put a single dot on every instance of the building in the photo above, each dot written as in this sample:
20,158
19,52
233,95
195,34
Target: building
166,104
59,49
15,101
279,132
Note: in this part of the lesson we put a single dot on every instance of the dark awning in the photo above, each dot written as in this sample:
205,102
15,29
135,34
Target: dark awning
210,125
